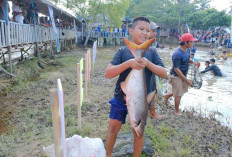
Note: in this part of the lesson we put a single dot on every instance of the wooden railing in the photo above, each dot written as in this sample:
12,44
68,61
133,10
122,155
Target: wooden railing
25,34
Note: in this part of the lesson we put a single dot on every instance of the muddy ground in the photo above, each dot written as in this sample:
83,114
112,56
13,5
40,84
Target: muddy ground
26,120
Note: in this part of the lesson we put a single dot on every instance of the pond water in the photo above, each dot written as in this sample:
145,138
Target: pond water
215,95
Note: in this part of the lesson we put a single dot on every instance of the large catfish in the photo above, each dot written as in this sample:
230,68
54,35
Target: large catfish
135,89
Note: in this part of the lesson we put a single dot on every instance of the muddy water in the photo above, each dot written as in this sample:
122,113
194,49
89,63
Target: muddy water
215,94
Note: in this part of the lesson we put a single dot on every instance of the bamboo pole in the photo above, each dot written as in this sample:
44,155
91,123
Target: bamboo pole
56,122
79,96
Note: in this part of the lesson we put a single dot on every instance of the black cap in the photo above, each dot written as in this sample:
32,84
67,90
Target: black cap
212,60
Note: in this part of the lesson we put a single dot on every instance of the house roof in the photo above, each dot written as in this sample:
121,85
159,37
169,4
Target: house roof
163,25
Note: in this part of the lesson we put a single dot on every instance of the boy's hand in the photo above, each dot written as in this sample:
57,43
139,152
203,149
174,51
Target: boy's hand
144,61
136,64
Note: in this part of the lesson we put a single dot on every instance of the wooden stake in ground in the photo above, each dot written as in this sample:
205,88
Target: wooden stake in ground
56,122
80,93
94,54
62,119
86,75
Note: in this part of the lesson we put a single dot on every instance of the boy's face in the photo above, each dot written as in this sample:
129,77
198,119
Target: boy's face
153,33
141,32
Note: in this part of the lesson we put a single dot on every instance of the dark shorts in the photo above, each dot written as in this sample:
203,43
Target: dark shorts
118,110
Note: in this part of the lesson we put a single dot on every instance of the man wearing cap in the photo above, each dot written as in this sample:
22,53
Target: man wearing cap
214,68
153,113
180,59
153,32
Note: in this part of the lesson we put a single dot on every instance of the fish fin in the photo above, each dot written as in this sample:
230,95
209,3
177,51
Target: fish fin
150,96
123,86
132,46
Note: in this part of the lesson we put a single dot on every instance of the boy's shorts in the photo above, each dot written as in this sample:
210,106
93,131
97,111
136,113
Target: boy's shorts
179,87
118,110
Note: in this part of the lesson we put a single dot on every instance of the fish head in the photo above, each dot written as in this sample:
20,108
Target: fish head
138,51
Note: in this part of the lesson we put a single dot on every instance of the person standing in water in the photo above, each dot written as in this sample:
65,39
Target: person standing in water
181,59
214,68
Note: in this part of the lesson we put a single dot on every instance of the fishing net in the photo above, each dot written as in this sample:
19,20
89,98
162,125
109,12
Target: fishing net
195,76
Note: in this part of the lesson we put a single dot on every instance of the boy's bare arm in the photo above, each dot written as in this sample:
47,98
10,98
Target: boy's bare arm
156,69
114,70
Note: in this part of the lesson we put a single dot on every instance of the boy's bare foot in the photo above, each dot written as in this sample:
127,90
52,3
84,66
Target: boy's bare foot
155,115
178,113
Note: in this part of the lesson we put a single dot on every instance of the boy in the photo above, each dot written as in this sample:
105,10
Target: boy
181,59
207,65
224,55
214,68
122,63
153,113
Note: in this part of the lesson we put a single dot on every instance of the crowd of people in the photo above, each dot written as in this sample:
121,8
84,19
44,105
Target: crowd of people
105,31
29,15
218,36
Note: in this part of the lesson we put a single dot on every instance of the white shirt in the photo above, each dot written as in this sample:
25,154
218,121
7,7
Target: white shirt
19,18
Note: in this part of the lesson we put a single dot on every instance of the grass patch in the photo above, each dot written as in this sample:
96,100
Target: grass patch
165,143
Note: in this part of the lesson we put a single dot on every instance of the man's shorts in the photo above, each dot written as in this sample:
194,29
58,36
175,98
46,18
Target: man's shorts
118,110
179,87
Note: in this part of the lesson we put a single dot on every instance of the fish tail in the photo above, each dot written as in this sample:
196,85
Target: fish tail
139,129
132,46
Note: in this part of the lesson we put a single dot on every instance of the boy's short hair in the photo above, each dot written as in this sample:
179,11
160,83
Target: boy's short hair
212,60
192,54
207,62
224,52
141,18
183,43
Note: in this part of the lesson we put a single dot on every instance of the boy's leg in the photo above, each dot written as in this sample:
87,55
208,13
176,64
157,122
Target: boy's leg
177,104
111,135
153,113
138,144
166,97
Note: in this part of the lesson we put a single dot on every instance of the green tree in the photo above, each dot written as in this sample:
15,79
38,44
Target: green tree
209,18
203,4
171,12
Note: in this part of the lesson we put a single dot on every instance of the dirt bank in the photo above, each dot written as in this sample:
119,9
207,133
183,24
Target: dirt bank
27,121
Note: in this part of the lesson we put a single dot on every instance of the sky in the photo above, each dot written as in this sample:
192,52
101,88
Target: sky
221,4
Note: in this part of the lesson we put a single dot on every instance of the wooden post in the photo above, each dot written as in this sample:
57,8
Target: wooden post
79,96
9,44
56,122
86,75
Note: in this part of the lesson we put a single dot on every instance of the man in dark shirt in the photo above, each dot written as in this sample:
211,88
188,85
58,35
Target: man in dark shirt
180,60
214,68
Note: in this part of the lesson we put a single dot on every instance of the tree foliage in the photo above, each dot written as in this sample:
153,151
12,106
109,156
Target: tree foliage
177,13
